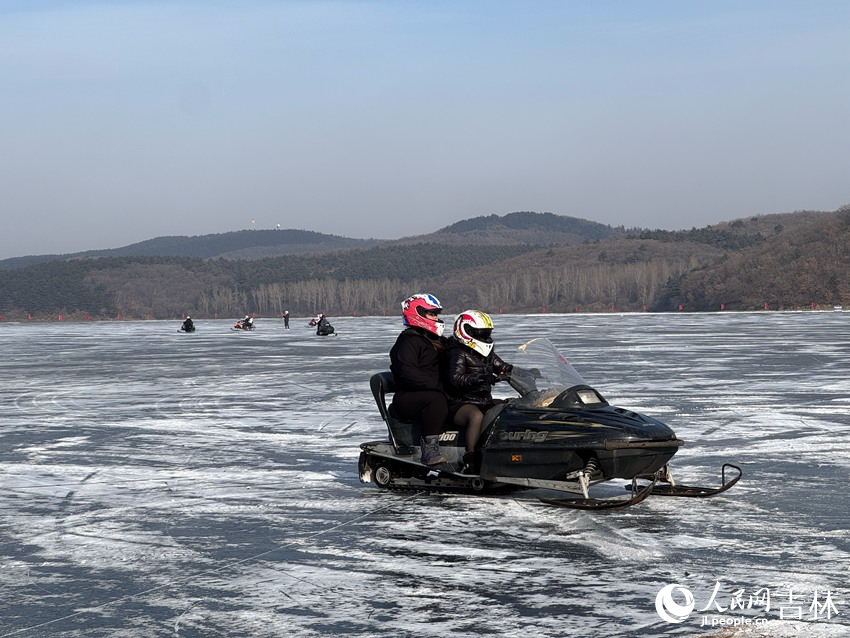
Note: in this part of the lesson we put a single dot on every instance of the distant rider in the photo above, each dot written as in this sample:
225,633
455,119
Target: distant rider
323,326
415,361
188,325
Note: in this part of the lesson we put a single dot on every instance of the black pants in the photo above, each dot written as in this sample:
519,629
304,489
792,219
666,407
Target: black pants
429,407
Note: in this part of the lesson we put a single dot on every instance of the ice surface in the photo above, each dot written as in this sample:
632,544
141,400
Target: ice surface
156,483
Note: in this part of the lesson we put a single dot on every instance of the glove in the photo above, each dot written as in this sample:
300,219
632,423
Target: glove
489,378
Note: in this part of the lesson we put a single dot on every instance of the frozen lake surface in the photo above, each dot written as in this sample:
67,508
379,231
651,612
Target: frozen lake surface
154,483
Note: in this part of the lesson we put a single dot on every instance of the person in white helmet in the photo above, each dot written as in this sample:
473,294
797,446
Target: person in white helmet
473,368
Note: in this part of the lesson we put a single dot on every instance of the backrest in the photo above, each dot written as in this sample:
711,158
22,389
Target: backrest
381,383
403,434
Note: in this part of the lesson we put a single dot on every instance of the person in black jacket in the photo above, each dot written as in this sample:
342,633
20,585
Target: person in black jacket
323,326
416,364
473,368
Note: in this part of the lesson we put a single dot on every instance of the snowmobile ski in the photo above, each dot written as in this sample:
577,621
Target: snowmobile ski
638,494
693,491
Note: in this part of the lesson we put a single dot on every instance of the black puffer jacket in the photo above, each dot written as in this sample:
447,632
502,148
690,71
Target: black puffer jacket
470,374
416,361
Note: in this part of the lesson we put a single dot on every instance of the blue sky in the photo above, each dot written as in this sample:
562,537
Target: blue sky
123,121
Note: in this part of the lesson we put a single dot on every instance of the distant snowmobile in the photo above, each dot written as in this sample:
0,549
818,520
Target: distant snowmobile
560,435
244,324
324,328
188,325
322,325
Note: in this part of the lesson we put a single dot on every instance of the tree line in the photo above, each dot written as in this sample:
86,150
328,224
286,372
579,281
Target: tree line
167,290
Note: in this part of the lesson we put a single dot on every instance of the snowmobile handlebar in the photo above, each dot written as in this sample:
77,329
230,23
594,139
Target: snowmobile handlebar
523,380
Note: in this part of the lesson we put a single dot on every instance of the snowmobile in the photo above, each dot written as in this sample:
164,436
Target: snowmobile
559,435
322,325
243,325
324,328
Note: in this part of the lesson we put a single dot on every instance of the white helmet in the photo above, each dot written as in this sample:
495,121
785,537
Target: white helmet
473,329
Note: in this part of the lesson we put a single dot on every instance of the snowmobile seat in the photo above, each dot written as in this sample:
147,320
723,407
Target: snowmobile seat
403,433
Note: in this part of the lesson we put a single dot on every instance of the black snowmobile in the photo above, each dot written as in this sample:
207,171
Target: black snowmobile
324,328
559,435
322,325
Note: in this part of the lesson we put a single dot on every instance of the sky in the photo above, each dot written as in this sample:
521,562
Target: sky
121,121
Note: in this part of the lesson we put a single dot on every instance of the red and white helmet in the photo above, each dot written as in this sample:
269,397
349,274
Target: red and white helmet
413,310
473,328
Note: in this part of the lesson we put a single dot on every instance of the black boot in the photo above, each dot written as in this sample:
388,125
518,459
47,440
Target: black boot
471,463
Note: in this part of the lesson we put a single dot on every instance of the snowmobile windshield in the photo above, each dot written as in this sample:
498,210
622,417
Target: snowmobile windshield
545,378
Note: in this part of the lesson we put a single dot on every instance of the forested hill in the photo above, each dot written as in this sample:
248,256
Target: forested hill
522,228
793,261
786,261
543,229
242,244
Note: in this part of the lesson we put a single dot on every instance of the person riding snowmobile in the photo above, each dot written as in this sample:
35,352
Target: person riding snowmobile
188,325
323,326
415,362
473,367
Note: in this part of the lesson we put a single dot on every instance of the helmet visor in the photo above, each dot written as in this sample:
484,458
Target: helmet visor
481,334
424,312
